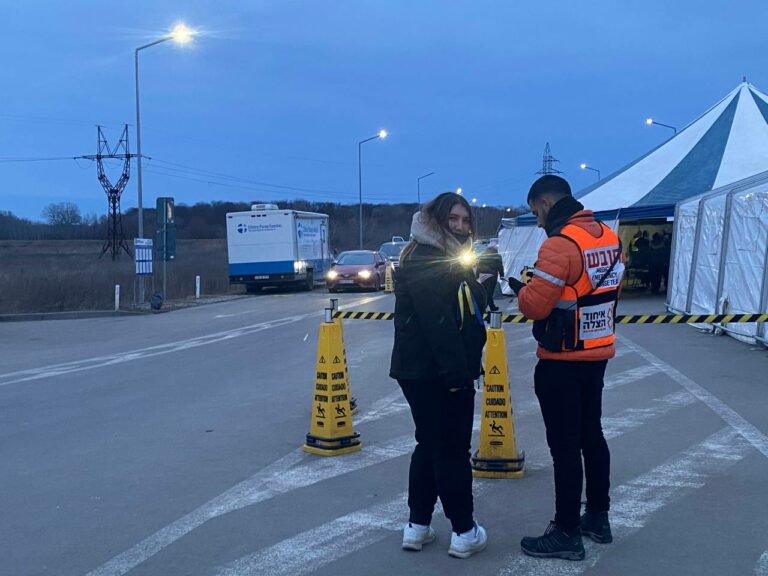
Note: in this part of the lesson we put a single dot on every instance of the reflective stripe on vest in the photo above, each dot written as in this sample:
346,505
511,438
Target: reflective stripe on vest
595,307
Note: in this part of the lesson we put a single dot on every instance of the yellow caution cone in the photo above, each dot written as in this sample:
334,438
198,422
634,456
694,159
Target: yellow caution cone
497,456
330,427
389,285
352,399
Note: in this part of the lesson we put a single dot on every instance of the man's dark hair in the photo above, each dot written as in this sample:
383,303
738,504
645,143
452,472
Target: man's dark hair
549,184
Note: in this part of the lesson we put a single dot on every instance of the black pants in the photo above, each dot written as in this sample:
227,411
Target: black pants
490,288
440,463
570,396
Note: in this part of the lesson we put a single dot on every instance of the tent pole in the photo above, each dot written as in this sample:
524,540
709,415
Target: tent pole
762,331
672,252
724,247
695,255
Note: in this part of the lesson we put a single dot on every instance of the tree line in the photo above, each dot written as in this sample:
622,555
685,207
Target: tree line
207,220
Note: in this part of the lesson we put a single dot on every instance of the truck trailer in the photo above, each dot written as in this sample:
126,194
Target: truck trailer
268,246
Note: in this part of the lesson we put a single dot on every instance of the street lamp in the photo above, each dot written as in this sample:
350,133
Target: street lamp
584,166
418,187
459,190
651,122
181,35
380,134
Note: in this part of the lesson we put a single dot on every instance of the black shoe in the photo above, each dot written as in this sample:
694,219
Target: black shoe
493,308
555,543
596,526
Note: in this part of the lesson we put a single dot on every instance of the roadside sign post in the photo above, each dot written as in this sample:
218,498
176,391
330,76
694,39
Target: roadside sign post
142,250
166,235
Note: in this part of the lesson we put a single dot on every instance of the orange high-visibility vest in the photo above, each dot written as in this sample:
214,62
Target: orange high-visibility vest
592,303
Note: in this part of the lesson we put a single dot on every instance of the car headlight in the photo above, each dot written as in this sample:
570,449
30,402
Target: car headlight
332,274
299,266
364,274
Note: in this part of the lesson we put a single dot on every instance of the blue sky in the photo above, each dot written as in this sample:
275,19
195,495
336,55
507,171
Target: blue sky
274,96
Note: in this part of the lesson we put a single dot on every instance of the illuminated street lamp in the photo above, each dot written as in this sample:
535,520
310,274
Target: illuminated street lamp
651,122
380,134
418,187
459,190
584,166
181,35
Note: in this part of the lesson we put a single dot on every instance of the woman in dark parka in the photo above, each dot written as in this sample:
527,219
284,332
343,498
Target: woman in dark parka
437,355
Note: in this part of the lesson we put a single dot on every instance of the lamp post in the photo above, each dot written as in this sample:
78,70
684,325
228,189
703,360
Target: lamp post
459,191
651,122
381,134
584,166
182,35
418,187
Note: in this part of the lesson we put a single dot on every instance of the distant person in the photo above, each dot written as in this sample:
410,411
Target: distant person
643,242
656,262
435,359
489,268
572,299
666,258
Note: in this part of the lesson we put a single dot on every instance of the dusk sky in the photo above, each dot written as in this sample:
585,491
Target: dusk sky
271,98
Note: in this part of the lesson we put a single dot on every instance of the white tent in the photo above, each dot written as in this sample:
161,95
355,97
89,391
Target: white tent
720,254
729,142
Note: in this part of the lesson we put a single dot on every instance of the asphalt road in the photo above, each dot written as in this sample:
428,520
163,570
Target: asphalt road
170,444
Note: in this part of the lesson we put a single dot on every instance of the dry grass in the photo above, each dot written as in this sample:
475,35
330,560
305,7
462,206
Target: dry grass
59,275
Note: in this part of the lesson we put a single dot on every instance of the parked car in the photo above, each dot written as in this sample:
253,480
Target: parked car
357,269
391,251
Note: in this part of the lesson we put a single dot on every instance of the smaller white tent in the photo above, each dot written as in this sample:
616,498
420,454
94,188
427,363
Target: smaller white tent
720,254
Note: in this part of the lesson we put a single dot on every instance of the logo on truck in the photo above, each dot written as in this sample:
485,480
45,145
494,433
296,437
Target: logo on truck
242,228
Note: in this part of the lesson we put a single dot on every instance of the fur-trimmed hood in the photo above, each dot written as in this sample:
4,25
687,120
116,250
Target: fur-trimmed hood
426,231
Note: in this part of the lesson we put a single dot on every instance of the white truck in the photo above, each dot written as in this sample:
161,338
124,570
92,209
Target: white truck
268,246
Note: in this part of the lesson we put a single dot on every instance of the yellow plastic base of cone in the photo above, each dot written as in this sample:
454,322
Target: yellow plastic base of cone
500,475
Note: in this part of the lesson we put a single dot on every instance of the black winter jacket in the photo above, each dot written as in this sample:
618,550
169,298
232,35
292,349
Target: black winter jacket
428,341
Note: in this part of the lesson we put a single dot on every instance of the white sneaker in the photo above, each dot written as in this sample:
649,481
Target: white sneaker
416,535
467,543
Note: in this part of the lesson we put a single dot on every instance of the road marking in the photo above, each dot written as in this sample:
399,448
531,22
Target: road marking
319,546
633,418
634,503
629,376
295,470
392,403
761,569
160,349
750,433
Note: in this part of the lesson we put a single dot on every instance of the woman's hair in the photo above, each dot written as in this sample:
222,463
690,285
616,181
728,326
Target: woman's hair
436,212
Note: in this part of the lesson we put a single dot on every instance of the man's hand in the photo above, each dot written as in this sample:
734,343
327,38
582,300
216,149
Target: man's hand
515,284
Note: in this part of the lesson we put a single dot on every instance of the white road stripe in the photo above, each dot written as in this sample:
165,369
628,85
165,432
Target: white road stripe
295,470
633,418
629,376
312,549
750,433
761,568
634,503
141,353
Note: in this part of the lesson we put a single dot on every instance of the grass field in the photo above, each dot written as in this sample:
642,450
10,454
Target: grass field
62,275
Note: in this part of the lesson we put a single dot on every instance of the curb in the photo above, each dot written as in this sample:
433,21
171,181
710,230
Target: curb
170,306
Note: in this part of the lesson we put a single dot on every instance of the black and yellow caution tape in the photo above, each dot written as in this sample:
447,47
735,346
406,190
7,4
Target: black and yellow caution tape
621,319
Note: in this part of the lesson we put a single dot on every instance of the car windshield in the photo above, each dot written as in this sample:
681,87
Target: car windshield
355,258
392,249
